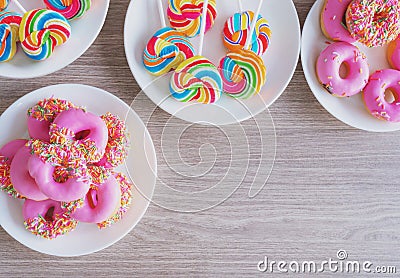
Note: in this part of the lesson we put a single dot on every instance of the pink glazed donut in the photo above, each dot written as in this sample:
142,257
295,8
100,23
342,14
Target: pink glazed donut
84,127
328,69
47,219
22,181
333,20
100,203
7,153
374,95
41,115
72,189
393,53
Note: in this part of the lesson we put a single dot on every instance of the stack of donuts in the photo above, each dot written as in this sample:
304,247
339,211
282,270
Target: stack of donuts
38,31
65,172
343,69
240,74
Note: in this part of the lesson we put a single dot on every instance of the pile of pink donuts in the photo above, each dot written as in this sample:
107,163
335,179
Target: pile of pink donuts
65,172
241,72
343,70
39,31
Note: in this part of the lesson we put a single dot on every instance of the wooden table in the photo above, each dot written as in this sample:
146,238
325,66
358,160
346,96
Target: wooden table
332,187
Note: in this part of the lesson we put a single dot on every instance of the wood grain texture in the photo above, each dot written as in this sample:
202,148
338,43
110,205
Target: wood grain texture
332,187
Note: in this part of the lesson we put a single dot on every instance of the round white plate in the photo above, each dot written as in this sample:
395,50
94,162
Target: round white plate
84,32
140,165
350,110
280,59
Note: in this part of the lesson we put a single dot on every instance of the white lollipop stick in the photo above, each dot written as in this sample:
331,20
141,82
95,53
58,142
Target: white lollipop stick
240,6
22,9
203,26
253,25
161,13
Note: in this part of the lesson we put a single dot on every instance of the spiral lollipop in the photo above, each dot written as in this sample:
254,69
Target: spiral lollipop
243,72
70,9
41,31
166,49
197,79
3,4
9,25
236,33
186,15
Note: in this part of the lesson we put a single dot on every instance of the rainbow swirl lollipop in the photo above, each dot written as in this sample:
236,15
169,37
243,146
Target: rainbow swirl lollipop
236,32
186,15
70,9
9,25
243,74
4,4
196,79
41,31
166,49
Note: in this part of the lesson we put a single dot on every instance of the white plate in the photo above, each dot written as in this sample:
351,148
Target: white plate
350,110
280,59
141,162
84,32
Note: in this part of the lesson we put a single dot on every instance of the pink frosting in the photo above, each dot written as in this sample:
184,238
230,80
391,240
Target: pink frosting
394,53
374,95
71,190
328,67
38,129
22,181
331,19
10,149
33,209
78,120
100,204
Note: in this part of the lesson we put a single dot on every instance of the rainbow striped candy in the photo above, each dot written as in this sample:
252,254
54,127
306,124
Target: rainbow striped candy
41,31
185,15
196,79
4,4
243,74
70,9
166,49
236,31
9,25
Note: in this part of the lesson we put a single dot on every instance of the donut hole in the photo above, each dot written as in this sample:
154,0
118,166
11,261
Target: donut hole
49,216
344,70
390,95
82,134
60,174
92,198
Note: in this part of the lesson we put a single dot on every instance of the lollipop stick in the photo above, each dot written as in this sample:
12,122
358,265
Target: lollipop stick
240,6
161,13
253,25
22,9
203,26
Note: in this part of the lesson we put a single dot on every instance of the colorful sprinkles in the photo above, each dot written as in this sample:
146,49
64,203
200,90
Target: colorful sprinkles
373,22
50,229
118,140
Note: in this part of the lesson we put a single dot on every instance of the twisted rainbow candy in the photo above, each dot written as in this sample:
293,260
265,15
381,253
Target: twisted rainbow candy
70,9
41,31
243,73
236,31
185,15
4,4
166,49
9,25
196,79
